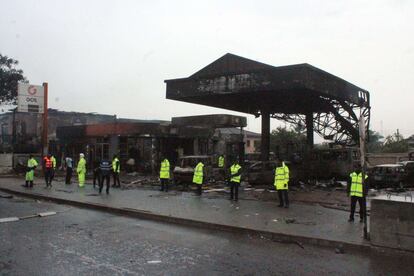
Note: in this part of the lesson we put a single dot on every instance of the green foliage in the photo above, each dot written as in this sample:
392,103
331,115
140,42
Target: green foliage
375,143
9,77
395,143
284,142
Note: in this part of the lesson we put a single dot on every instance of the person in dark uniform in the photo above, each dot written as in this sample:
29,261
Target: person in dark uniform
105,168
69,169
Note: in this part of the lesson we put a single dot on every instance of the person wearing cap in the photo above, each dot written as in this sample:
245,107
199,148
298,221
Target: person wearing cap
357,190
81,170
281,182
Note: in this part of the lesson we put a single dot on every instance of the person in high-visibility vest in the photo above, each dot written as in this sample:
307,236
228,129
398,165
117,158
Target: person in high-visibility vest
281,183
164,174
116,169
221,161
47,169
235,177
52,172
31,166
198,176
81,170
357,191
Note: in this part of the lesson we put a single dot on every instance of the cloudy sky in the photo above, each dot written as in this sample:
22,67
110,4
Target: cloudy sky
113,56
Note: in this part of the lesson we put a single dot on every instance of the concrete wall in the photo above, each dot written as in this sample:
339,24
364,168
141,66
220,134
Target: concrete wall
386,158
6,163
392,224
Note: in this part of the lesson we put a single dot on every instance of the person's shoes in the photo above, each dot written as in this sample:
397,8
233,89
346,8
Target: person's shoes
350,219
361,220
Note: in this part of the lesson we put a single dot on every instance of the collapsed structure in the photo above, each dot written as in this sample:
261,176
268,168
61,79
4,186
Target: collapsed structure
299,94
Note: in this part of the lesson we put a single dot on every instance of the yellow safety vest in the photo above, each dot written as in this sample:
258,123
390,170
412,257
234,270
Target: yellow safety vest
81,169
198,174
32,163
53,161
281,177
356,184
165,169
116,160
221,161
233,170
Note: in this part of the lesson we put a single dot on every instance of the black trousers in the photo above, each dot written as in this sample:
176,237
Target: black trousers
116,180
48,177
199,190
103,178
164,184
234,190
283,198
52,174
361,202
68,178
96,177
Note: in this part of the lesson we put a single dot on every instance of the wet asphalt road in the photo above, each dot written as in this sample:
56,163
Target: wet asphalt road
85,242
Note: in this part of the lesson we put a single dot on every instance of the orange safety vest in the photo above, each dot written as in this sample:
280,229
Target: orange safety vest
48,162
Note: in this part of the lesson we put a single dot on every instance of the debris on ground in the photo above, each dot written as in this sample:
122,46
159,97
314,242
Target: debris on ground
340,249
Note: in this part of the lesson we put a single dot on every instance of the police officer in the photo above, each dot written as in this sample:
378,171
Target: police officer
357,191
81,170
52,172
235,177
198,176
31,166
105,168
281,183
164,174
116,169
47,168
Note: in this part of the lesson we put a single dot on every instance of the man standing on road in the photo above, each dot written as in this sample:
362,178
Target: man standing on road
116,168
105,175
69,169
281,183
198,177
235,177
164,174
357,191
31,166
47,168
52,157
81,170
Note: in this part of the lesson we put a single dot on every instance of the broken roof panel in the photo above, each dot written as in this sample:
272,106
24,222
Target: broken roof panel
213,121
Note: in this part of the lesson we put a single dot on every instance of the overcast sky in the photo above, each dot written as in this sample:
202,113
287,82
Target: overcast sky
112,57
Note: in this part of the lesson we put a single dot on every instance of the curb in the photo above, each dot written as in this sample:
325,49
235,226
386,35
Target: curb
147,215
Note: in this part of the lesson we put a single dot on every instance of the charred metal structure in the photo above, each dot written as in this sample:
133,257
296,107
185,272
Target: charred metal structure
300,94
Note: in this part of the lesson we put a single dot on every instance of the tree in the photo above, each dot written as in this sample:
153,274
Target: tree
375,143
395,143
284,142
9,77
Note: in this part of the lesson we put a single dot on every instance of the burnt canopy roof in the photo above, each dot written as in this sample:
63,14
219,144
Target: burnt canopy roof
240,84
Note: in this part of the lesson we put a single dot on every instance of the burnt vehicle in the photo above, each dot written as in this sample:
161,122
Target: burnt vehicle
387,176
409,172
184,170
263,173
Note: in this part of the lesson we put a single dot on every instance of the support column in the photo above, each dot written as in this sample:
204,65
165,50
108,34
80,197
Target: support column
265,143
113,145
309,129
241,146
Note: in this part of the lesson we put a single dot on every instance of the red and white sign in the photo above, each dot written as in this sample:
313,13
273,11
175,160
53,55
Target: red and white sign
30,98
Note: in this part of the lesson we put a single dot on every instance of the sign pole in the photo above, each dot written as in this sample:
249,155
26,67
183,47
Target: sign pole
362,145
44,136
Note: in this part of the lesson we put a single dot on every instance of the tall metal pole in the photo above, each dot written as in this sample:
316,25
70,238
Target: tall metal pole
362,135
265,143
45,115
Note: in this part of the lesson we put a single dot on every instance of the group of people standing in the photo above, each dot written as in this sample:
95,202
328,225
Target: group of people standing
101,173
